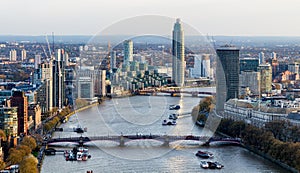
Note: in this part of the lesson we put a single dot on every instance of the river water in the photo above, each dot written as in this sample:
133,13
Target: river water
143,115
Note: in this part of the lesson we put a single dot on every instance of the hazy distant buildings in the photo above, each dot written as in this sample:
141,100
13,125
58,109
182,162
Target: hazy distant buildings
261,58
113,57
23,55
13,55
178,54
196,72
273,55
206,70
37,61
128,51
227,75
201,66
294,67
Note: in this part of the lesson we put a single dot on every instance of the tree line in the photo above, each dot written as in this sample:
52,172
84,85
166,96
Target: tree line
271,140
278,139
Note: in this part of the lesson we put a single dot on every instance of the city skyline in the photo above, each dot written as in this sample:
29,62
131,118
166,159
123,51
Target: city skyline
269,18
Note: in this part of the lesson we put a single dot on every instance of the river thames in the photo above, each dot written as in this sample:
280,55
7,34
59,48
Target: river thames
143,115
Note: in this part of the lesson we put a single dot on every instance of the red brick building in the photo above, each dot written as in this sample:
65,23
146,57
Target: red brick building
19,100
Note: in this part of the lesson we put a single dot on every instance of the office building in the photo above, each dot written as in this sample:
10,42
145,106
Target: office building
265,78
19,100
34,111
9,120
178,66
58,79
227,75
248,64
250,79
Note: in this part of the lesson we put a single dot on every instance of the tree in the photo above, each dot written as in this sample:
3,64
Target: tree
24,148
15,156
3,135
29,141
2,164
29,165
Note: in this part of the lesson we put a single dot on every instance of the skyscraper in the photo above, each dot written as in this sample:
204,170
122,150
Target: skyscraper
58,79
178,54
128,51
227,74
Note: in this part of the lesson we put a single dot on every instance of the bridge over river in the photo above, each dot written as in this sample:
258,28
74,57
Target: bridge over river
165,139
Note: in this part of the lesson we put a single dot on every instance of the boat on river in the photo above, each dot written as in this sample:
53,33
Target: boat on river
204,164
211,165
174,107
173,116
169,123
204,154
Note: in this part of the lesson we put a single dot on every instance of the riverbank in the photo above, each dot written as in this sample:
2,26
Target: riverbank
265,156
41,153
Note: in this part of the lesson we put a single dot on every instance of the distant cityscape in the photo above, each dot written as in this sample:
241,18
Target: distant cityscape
257,79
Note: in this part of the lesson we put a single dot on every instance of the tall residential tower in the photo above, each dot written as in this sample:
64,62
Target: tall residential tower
178,54
128,51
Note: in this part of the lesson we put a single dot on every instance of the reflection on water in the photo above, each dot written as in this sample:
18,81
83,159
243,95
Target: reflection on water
144,115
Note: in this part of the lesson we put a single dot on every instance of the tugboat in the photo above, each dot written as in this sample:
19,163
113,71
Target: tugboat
204,155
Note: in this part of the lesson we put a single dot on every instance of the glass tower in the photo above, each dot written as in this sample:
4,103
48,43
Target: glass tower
178,54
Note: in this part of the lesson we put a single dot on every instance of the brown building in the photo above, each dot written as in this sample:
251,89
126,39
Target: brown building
19,100
34,111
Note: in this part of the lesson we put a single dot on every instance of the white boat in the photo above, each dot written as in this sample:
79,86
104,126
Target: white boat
173,116
174,107
204,164
219,165
79,156
165,122
174,122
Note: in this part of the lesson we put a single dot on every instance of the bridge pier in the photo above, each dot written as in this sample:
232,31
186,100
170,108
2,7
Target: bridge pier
166,141
122,141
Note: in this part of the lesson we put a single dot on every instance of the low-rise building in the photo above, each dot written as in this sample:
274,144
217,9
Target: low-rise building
254,112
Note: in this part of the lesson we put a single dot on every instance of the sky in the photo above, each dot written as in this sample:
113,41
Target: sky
213,17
